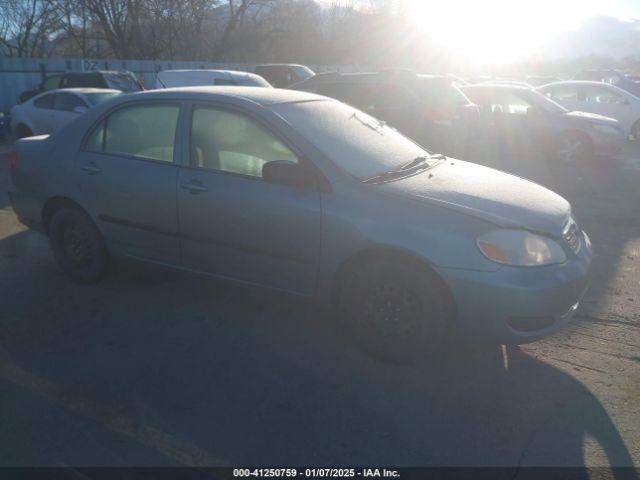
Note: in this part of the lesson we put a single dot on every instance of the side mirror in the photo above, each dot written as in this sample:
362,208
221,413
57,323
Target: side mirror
285,172
80,109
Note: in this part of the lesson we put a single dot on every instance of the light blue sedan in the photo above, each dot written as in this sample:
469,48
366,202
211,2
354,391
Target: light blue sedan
304,194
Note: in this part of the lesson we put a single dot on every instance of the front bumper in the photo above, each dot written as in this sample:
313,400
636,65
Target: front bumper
518,304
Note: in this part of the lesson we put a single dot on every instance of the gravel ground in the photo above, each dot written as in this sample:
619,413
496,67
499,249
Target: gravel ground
157,368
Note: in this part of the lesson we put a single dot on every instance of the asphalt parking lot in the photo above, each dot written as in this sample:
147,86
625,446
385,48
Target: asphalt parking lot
158,368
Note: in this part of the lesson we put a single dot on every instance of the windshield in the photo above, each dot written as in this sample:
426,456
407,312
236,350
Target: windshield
96,98
353,140
123,81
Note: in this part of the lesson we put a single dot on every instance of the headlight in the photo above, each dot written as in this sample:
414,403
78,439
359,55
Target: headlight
520,248
608,129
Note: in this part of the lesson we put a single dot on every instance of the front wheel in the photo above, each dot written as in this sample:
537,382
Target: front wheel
78,246
395,311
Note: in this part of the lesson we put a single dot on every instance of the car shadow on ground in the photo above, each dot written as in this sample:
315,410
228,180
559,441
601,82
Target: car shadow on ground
220,374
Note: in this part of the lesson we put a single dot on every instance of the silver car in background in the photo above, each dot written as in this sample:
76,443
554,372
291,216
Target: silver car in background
599,98
49,111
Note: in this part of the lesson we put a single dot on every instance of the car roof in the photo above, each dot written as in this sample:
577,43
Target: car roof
259,95
580,82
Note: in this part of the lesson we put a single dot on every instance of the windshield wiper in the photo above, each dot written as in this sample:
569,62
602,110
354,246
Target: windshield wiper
422,161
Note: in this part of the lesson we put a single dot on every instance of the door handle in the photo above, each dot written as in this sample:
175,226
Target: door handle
91,169
194,187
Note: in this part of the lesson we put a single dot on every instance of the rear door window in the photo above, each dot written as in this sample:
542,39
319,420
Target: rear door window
45,101
67,102
141,131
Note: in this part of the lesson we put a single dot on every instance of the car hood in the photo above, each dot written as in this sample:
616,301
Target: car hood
497,197
592,117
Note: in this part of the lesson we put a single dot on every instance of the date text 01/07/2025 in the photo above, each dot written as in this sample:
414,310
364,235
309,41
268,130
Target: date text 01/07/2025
315,473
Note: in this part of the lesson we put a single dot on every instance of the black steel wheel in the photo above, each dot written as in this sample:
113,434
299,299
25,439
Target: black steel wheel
397,312
78,246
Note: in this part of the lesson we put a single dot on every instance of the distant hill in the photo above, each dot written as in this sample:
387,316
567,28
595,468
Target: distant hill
603,36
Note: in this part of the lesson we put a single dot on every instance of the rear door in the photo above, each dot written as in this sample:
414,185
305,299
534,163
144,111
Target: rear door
42,116
234,224
128,177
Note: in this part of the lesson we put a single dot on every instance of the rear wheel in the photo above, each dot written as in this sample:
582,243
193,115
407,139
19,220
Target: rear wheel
22,131
78,246
395,311
574,147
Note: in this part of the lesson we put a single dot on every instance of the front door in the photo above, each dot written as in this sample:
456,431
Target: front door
234,224
129,179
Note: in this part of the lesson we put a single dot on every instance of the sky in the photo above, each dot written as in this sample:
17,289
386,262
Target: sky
504,30
501,31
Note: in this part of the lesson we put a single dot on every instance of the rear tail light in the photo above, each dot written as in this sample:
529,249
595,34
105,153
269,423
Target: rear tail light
12,158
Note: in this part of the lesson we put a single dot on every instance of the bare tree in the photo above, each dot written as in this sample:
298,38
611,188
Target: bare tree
26,27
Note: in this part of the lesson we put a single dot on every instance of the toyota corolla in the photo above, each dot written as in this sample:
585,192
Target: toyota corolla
304,194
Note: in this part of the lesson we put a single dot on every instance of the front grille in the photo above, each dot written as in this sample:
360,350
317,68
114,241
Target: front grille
571,234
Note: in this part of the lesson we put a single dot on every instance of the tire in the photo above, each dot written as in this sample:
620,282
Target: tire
396,312
78,246
22,131
574,147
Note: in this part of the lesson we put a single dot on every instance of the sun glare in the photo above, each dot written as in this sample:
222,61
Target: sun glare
494,31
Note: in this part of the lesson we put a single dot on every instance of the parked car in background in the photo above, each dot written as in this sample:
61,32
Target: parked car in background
431,109
614,77
537,80
118,80
304,194
49,111
282,75
597,97
523,117
516,83
196,78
